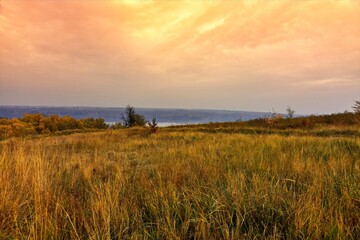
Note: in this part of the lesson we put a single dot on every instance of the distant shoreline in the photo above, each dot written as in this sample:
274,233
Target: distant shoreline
165,117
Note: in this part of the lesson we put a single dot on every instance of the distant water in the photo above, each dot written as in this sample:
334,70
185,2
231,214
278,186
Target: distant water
160,124
165,117
167,124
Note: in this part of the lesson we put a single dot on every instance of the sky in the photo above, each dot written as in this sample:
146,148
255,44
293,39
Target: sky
254,55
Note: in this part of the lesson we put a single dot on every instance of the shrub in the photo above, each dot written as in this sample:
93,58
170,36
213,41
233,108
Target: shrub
153,125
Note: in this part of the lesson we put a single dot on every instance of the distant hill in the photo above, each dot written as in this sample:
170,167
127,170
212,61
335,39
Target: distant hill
110,114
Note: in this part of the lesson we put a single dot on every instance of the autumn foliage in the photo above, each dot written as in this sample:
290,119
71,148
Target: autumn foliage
33,124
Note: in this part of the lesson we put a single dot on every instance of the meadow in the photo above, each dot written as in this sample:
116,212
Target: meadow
200,182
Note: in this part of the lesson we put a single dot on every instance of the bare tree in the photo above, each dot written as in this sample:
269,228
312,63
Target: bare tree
356,107
290,112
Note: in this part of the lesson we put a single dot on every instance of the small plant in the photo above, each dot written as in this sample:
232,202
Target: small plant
153,125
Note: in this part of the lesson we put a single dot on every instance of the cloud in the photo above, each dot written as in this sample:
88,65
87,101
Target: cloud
106,48
330,83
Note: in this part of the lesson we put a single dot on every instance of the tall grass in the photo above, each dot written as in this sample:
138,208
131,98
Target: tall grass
180,185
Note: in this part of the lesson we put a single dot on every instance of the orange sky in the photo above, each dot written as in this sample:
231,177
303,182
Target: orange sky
246,55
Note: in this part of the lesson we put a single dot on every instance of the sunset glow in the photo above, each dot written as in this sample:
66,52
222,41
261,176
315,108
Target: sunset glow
244,55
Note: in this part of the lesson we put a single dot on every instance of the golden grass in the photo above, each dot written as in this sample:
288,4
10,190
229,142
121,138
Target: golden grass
180,185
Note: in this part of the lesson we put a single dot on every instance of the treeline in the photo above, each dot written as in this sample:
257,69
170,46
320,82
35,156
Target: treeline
32,124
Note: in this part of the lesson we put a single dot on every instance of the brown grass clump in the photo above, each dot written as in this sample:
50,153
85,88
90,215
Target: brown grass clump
122,184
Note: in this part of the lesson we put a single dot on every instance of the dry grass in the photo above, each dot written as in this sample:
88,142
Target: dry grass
180,185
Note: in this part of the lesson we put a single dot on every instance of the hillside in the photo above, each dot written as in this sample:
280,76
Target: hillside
216,181
340,124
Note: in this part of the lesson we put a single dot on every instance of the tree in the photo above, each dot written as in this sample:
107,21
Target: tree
290,112
356,107
131,118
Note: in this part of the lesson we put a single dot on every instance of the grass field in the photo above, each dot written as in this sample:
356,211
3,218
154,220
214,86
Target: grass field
182,183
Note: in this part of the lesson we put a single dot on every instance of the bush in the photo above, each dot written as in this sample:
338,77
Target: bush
98,123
